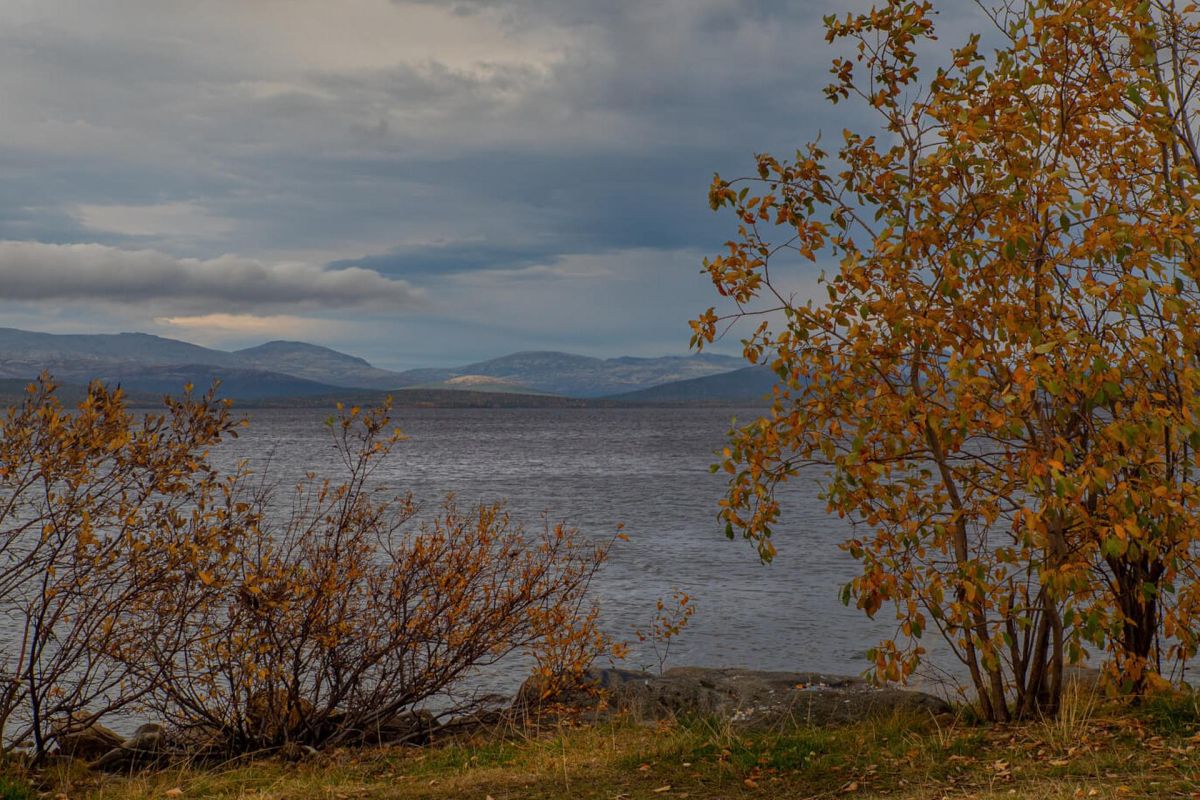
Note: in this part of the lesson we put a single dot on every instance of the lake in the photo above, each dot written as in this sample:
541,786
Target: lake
647,468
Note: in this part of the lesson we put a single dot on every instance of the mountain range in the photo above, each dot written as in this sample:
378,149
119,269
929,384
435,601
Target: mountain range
142,362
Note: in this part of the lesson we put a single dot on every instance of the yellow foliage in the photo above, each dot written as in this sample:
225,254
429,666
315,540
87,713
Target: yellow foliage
1009,275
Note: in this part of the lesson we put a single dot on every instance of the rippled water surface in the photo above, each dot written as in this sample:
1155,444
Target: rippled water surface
647,468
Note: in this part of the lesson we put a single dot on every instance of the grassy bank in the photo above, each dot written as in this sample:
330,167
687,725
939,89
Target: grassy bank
1092,751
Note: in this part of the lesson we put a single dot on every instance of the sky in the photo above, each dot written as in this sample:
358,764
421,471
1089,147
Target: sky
417,182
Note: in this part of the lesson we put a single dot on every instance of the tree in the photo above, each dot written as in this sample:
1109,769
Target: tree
99,512
1001,380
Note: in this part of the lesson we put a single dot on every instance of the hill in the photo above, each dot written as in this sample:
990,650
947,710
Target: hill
141,361
750,385
316,363
240,384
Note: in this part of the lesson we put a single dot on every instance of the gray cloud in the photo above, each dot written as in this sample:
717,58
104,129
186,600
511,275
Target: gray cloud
33,271
393,141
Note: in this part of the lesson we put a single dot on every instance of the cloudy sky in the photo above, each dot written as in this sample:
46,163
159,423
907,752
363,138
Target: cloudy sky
415,182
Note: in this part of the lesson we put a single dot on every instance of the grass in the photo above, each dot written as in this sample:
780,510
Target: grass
15,788
1093,750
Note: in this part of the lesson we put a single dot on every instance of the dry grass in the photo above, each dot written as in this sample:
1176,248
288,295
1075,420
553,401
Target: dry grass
1092,751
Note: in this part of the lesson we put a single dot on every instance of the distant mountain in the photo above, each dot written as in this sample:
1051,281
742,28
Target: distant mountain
243,384
582,376
150,363
142,362
317,363
750,385
18,349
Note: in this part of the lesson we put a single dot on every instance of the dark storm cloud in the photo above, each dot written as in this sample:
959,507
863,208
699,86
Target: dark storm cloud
447,259
564,205
420,141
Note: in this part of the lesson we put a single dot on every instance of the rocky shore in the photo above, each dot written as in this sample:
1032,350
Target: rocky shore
751,699
747,699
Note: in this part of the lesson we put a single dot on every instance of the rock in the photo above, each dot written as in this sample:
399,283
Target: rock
198,741
486,712
408,727
291,751
84,737
144,747
749,699
1083,677
147,737
596,686
411,727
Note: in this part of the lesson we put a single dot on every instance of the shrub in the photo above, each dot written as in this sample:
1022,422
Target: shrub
98,512
336,621
135,572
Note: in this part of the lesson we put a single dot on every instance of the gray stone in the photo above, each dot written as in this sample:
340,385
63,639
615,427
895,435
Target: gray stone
290,751
144,747
485,713
749,699
147,737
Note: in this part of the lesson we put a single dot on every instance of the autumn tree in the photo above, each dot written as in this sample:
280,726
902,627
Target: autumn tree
99,510
998,374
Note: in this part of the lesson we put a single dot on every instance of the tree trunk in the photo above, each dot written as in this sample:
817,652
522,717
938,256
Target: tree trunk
1139,619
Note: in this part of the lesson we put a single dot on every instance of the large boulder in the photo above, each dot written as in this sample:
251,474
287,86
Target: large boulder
82,736
749,699
146,746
